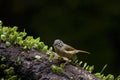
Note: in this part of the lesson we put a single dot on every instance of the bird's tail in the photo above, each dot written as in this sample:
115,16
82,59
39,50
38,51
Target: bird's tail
81,51
76,51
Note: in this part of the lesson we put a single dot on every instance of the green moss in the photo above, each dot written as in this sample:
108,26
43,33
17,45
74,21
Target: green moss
45,48
7,43
89,68
9,71
3,58
10,35
58,69
118,78
37,57
18,61
3,37
2,66
2,79
51,57
13,78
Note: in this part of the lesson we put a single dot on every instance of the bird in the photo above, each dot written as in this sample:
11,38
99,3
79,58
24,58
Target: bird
64,50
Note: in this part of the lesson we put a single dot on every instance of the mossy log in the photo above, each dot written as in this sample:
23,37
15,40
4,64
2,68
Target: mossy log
32,69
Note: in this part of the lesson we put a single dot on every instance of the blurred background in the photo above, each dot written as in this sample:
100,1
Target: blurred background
91,25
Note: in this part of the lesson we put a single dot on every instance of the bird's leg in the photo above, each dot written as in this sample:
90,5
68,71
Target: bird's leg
66,60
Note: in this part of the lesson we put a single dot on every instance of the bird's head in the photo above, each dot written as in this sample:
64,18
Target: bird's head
58,44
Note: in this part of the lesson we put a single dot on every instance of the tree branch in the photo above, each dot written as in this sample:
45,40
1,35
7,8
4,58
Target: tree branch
32,69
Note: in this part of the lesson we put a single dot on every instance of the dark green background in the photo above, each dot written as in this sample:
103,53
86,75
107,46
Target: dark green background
91,25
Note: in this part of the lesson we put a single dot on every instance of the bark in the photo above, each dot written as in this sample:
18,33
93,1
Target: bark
33,69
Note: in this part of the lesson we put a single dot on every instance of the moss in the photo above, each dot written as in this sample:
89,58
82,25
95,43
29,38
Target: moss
13,78
90,69
3,37
8,43
58,69
37,57
18,61
3,58
10,36
98,74
10,74
118,78
9,71
51,57
2,66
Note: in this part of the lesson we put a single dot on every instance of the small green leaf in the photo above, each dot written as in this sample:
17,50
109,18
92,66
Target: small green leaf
2,79
80,63
98,75
37,57
13,77
45,48
18,61
12,37
54,67
85,64
3,37
103,68
25,47
37,40
41,45
118,78
1,23
62,65
14,29
109,77
49,51
0,31
9,71
87,67
3,58
51,56
7,43
59,69
3,66
22,34
5,30
35,46
91,68
20,42
19,39
76,61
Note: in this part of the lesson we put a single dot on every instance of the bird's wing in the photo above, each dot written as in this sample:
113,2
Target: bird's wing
68,48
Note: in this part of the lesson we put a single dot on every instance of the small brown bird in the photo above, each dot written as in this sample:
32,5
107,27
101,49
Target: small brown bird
65,50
